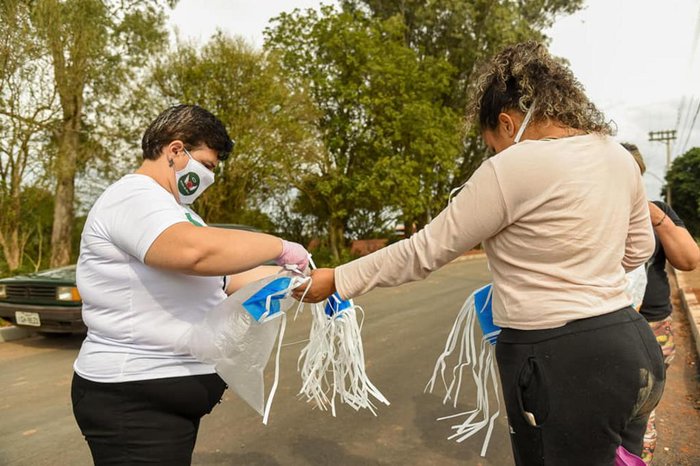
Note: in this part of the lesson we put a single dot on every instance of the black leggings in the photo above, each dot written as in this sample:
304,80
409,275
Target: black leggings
146,421
575,393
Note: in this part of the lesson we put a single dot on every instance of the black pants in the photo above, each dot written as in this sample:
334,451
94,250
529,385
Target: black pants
144,422
574,394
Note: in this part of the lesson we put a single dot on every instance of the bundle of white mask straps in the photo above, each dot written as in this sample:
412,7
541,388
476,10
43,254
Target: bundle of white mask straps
463,341
333,363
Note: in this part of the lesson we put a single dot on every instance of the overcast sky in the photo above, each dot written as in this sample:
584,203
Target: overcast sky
638,60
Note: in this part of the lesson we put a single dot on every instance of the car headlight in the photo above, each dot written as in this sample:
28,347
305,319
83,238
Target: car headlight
67,293
3,291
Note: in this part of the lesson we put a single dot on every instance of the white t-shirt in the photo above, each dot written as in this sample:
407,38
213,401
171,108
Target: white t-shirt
136,313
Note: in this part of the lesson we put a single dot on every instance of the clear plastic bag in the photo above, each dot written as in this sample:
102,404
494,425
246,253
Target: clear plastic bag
636,285
238,336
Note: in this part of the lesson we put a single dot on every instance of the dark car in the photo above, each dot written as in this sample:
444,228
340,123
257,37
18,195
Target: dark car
48,301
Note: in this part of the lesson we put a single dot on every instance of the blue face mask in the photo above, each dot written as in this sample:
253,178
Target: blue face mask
335,305
484,312
266,302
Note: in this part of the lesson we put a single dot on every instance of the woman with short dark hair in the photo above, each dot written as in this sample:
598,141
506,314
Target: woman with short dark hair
562,216
149,269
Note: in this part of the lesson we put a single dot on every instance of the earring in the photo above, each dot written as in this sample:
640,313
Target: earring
171,162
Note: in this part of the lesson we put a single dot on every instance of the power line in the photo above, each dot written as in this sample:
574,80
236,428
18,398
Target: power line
668,137
678,117
685,121
690,130
680,127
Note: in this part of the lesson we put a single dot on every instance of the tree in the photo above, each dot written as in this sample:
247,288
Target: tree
463,33
272,125
684,180
380,113
27,107
96,49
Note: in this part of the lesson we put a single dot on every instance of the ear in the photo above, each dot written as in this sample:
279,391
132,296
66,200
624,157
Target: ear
175,148
506,125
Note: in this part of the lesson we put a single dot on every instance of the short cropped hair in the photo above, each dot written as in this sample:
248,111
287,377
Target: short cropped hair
632,149
190,124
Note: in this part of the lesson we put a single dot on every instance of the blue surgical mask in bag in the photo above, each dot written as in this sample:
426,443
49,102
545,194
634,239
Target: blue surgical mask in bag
238,336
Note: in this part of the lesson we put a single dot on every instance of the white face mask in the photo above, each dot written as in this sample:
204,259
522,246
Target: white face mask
192,180
526,120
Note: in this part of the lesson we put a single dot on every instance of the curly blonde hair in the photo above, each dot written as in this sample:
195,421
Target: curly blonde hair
523,72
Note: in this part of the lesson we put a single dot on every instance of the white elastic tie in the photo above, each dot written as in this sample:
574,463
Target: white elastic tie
526,120
293,283
273,389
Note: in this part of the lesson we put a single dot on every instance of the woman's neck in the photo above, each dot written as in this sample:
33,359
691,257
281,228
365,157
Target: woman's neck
551,130
153,169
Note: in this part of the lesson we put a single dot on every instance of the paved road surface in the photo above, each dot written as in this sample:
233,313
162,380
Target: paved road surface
404,331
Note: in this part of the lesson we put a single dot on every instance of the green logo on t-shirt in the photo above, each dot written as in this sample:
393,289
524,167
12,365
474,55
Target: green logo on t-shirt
188,183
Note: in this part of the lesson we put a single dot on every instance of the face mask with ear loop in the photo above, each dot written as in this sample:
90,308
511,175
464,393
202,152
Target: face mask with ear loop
519,135
526,120
192,180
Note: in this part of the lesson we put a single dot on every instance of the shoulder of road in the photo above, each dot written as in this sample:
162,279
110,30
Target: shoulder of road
689,290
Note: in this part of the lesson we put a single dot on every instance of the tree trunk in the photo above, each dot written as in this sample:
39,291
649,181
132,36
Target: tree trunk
333,241
9,236
336,233
11,247
63,213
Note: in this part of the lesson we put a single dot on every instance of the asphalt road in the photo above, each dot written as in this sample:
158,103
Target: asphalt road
404,331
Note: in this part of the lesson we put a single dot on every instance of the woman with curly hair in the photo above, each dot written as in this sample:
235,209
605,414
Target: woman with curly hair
562,216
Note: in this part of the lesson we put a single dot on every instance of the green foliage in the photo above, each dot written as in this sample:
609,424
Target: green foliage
97,49
270,124
325,257
27,110
34,231
382,121
67,70
391,80
684,180
462,33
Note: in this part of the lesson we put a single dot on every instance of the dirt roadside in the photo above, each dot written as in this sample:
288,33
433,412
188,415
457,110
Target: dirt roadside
678,414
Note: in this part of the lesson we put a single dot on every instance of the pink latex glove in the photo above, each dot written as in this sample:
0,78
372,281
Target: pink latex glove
293,254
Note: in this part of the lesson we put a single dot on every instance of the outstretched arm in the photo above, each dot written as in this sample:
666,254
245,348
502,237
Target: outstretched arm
476,213
196,250
679,246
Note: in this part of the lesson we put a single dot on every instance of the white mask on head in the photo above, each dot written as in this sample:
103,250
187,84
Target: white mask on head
192,180
526,120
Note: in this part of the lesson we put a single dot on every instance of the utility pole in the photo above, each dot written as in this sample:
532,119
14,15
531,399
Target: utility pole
667,137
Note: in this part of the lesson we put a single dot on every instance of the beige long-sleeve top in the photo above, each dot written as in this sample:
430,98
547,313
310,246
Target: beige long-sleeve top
561,221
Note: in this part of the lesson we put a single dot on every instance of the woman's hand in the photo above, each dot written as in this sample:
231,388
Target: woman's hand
293,254
322,285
